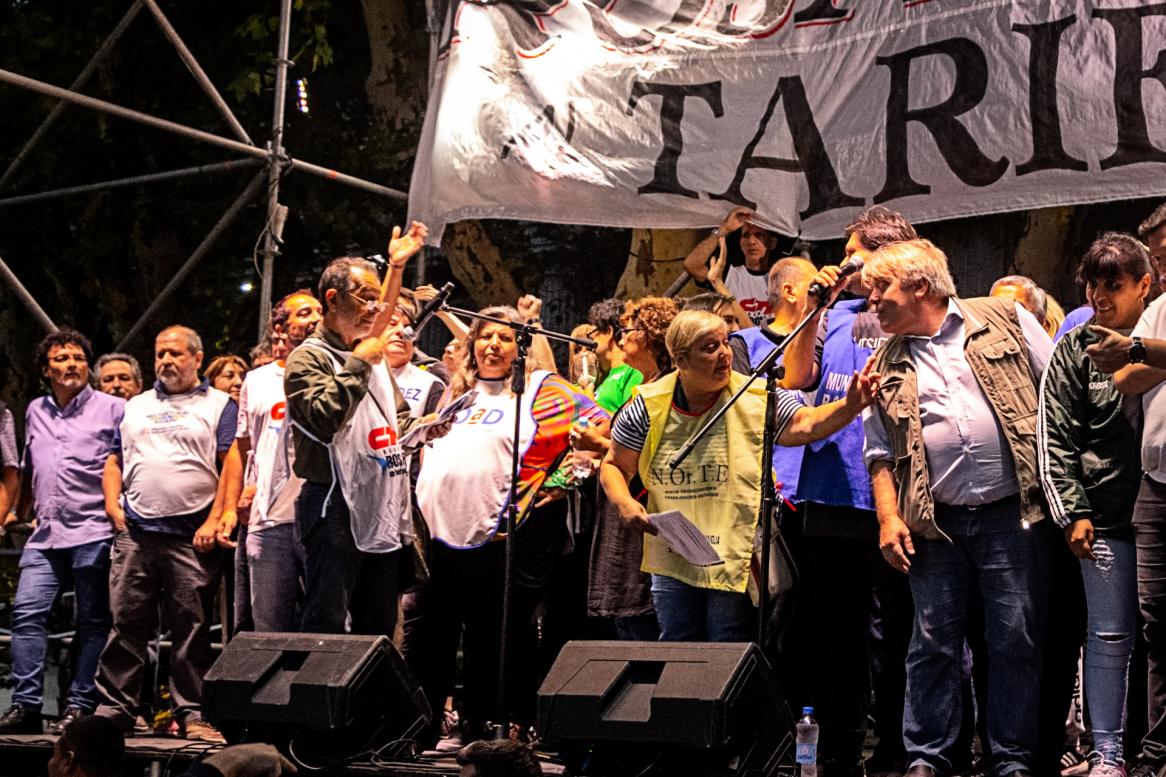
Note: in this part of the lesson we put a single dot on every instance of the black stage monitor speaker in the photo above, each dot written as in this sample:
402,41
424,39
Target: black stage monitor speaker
679,707
324,693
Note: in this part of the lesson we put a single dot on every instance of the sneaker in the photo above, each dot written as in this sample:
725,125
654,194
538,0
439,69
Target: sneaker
142,727
1144,769
57,727
1101,768
459,737
526,735
20,720
881,766
198,730
1073,762
449,722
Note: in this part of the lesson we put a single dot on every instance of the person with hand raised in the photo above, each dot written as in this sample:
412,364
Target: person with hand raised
348,417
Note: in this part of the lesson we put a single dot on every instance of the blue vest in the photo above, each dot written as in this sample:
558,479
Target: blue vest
833,471
787,462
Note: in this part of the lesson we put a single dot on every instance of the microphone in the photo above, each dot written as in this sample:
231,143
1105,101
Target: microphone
848,269
427,312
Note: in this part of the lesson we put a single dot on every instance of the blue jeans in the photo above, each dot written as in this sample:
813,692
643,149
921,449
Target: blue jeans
42,575
1111,591
690,614
991,553
275,559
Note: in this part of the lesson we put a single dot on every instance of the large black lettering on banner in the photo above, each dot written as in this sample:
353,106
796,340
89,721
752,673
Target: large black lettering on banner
810,154
955,143
672,96
594,109
1133,136
1048,151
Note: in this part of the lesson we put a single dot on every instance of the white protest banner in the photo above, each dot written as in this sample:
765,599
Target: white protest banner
668,113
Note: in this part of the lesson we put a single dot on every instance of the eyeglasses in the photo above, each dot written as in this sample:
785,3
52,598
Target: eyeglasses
369,305
623,331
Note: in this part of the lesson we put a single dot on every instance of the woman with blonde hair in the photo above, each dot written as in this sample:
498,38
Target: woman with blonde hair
718,486
226,374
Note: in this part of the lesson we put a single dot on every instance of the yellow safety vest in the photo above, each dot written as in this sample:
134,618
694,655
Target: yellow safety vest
718,487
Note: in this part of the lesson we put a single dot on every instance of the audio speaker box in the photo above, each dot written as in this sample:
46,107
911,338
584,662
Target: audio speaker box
680,707
326,694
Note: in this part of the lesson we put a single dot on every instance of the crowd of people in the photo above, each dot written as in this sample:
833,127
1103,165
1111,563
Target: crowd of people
972,497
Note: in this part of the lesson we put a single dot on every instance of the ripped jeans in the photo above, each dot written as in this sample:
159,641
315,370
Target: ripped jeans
1111,594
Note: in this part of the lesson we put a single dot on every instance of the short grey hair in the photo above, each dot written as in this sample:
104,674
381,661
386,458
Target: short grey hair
688,327
1034,298
911,262
135,368
193,341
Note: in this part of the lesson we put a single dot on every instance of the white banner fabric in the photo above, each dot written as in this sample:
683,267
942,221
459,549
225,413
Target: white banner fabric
668,113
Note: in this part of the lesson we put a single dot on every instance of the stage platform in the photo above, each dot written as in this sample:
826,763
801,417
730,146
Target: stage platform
28,755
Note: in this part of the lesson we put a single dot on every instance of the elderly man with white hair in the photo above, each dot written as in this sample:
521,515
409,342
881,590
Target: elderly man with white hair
951,446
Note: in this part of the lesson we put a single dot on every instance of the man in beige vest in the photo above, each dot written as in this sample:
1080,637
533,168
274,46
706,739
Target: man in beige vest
950,443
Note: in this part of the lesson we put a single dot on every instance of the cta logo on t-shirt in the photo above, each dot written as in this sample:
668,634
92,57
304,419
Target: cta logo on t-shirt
382,437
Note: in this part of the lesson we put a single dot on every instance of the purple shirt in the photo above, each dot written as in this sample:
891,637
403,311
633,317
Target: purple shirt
64,454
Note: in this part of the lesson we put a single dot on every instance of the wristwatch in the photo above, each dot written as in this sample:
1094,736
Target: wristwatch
1137,351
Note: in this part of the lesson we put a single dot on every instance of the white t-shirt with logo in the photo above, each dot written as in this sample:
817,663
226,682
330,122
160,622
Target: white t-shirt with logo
417,386
1152,325
170,451
262,417
751,291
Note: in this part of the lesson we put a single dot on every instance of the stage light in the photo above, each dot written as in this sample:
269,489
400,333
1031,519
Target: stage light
302,95
246,287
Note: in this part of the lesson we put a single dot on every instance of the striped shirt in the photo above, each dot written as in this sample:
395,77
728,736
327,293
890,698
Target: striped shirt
631,424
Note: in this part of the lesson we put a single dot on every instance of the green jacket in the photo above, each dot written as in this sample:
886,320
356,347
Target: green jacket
1089,438
322,400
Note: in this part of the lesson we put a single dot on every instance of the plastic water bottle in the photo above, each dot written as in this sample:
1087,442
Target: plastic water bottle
581,466
807,753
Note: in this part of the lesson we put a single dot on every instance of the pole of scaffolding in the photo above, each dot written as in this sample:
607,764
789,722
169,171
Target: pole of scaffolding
274,165
29,301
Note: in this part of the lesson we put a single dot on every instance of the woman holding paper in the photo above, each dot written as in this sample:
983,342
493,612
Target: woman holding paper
462,490
718,487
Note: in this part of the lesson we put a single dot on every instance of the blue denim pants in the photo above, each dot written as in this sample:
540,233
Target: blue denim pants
1111,591
690,614
43,573
275,562
990,553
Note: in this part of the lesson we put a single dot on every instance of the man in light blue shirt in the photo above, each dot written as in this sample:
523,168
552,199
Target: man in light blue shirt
69,432
952,453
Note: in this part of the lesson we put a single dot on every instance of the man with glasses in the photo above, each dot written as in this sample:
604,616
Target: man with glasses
619,376
347,419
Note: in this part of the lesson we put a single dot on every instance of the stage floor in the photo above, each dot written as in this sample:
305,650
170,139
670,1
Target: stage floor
28,755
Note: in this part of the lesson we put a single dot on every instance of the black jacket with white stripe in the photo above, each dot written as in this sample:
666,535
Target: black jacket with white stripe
1090,439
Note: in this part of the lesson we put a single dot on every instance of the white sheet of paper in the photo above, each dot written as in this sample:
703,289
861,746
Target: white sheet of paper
684,538
414,438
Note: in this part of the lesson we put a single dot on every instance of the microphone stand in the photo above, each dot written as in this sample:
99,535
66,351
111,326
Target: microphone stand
767,367
524,334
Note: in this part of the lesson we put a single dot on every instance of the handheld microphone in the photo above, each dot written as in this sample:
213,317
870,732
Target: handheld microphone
848,269
427,312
